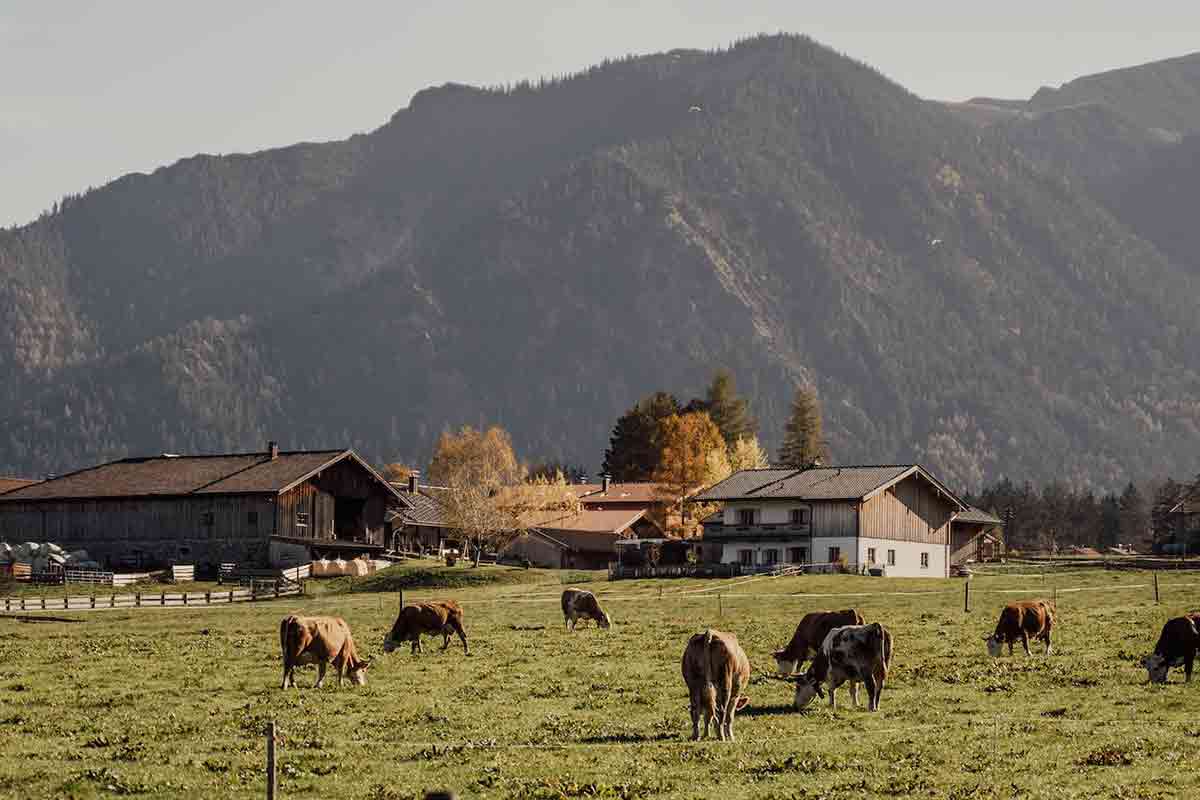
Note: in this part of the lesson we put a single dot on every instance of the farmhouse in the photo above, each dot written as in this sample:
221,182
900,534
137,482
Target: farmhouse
272,507
897,517
1184,537
975,535
584,540
420,525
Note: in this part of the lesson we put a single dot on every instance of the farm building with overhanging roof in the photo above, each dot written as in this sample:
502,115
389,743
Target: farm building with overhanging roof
269,508
897,517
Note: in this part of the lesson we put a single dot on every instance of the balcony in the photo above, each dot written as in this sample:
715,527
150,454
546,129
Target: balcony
759,532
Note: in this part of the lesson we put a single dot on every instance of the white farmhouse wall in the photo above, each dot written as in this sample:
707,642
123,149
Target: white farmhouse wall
847,544
908,557
730,550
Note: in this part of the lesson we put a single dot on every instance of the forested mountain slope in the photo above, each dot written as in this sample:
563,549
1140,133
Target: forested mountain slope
541,256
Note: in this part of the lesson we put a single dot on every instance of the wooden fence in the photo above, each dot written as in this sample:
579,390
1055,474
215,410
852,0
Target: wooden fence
267,590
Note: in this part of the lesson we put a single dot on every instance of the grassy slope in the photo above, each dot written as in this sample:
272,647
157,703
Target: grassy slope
146,703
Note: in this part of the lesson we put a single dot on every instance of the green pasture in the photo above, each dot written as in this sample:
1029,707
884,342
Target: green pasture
174,702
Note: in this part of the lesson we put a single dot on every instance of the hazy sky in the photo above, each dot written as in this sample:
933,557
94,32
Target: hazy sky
90,91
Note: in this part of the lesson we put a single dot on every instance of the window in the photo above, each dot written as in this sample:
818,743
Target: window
835,555
799,516
207,519
870,555
252,519
891,558
746,557
924,560
745,516
770,556
798,555
301,519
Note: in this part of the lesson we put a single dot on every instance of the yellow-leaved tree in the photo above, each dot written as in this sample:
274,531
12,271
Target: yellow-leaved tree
693,456
477,468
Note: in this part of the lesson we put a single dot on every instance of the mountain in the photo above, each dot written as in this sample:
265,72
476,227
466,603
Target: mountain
542,255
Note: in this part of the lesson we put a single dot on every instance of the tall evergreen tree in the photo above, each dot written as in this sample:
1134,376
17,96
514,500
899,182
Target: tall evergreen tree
1110,521
634,451
1134,519
803,443
727,409
1166,497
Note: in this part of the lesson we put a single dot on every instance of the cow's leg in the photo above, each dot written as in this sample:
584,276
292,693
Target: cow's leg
695,702
1010,646
709,693
446,636
722,693
854,692
1025,641
320,674
872,701
1188,660
880,678
731,709
462,635
1046,636
287,674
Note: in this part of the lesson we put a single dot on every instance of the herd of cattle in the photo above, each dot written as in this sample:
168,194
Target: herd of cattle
841,645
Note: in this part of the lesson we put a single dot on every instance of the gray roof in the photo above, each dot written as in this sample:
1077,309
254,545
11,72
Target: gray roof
742,483
817,483
424,510
978,516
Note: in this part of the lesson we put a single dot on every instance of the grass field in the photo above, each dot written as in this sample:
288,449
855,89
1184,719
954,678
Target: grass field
173,703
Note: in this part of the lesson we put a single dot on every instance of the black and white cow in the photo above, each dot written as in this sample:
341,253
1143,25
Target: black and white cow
579,604
855,653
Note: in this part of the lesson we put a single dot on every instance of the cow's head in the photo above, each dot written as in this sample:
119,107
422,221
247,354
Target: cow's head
358,673
785,665
994,645
394,638
808,689
1156,667
604,620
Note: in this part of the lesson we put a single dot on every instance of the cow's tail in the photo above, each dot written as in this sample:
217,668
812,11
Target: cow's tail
710,687
887,648
285,628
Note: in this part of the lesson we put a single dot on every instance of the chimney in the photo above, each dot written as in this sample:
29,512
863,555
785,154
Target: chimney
605,482
414,480
273,450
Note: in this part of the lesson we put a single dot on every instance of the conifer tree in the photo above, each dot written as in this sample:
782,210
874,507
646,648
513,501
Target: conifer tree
634,450
728,410
803,443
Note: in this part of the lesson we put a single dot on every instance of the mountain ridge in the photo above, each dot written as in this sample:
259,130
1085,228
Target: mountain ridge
542,256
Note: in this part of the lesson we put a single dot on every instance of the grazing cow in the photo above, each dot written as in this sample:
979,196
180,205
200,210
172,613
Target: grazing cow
1022,620
1177,646
437,616
855,653
323,641
809,635
715,669
578,604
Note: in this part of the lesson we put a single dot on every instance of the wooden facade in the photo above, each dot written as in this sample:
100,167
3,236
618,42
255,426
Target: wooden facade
293,512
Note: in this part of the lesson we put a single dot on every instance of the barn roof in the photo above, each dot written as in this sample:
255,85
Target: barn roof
977,516
11,484
608,523
423,510
633,492
819,483
174,476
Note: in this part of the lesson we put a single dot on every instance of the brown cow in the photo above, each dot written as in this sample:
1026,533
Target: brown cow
323,641
1021,621
579,604
715,669
809,635
855,653
431,618
1177,646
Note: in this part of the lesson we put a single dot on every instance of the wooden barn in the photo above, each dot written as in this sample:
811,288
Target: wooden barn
265,509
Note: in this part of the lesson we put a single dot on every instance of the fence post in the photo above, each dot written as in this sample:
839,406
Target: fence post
22,603
1155,588
253,589
92,601
66,601
185,598
162,598
720,605
231,595
401,593
208,598
276,589
1054,597
271,760
43,602
137,599
967,596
